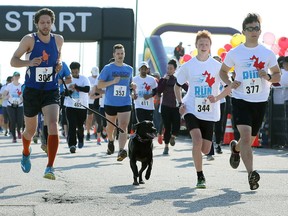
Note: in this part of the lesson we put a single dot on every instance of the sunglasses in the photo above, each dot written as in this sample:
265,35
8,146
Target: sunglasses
251,29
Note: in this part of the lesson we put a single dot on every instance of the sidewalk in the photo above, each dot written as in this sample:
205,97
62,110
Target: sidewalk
93,183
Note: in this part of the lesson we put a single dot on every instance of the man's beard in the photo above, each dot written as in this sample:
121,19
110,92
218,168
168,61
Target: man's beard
44,33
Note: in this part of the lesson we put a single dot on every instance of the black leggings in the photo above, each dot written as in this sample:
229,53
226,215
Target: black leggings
75,119
219,127
15,119
171,122
101,122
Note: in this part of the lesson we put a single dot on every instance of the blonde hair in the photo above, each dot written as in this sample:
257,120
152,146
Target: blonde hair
203,34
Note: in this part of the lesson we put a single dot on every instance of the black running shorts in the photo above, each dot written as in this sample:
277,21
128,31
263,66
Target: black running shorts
34,100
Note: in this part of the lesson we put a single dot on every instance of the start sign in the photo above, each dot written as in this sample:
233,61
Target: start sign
74,23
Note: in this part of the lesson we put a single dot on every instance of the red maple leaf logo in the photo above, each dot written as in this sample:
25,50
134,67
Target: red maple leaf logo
18,92
209,80
146,86
258,65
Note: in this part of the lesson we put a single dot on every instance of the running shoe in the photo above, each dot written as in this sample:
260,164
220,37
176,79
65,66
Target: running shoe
253,179
49,173
88,137
219,150
80,145
201,183
98,141
111,147
72,149
235,156
122,155
35,139
172,140
44,147
210,158
19,135
25,162
166,151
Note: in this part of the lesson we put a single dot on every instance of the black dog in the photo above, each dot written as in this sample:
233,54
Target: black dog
140,149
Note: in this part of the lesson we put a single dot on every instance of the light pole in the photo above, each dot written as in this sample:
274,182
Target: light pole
135,35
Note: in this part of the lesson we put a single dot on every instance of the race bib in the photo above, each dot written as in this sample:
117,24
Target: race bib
144,102
203,105
15,100
119,91
77,104
44,74
252,86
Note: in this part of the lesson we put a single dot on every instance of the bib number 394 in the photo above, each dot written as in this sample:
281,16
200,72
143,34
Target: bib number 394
203,105
119,91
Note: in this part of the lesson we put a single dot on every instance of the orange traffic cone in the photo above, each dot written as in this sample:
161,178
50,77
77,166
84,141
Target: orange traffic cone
229,132
256,142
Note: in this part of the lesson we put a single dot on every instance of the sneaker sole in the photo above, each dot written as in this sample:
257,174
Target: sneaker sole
49,176
253,181
44,148
201,186
120,158
234,163
73,150
24,170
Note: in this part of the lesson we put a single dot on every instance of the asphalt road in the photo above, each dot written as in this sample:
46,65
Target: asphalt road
93,183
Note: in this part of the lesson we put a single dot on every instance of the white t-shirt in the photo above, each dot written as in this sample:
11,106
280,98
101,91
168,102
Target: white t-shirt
4,101
247,61
14,94
78,97
144,86
204,80
92,81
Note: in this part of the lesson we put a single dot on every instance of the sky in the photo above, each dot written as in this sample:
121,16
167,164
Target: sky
152,13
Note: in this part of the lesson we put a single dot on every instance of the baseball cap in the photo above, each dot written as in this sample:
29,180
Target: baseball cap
16,73
143,64
95,71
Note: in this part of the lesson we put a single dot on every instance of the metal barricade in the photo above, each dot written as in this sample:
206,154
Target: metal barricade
274,133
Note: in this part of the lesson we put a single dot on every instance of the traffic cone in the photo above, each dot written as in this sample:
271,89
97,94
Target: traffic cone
229,132
256,142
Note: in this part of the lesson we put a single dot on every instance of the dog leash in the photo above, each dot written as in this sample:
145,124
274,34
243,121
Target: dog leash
91,110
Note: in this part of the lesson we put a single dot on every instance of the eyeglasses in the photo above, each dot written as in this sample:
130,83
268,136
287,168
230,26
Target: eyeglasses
251,29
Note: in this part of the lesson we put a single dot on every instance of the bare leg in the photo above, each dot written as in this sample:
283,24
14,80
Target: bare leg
244,145
123,121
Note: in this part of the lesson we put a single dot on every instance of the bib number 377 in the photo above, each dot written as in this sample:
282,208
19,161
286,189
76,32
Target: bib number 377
252,86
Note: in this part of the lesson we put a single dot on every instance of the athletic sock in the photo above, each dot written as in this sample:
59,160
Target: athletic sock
200,174
52,144
26,145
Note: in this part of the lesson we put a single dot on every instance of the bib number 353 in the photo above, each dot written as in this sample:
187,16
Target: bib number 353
120,91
